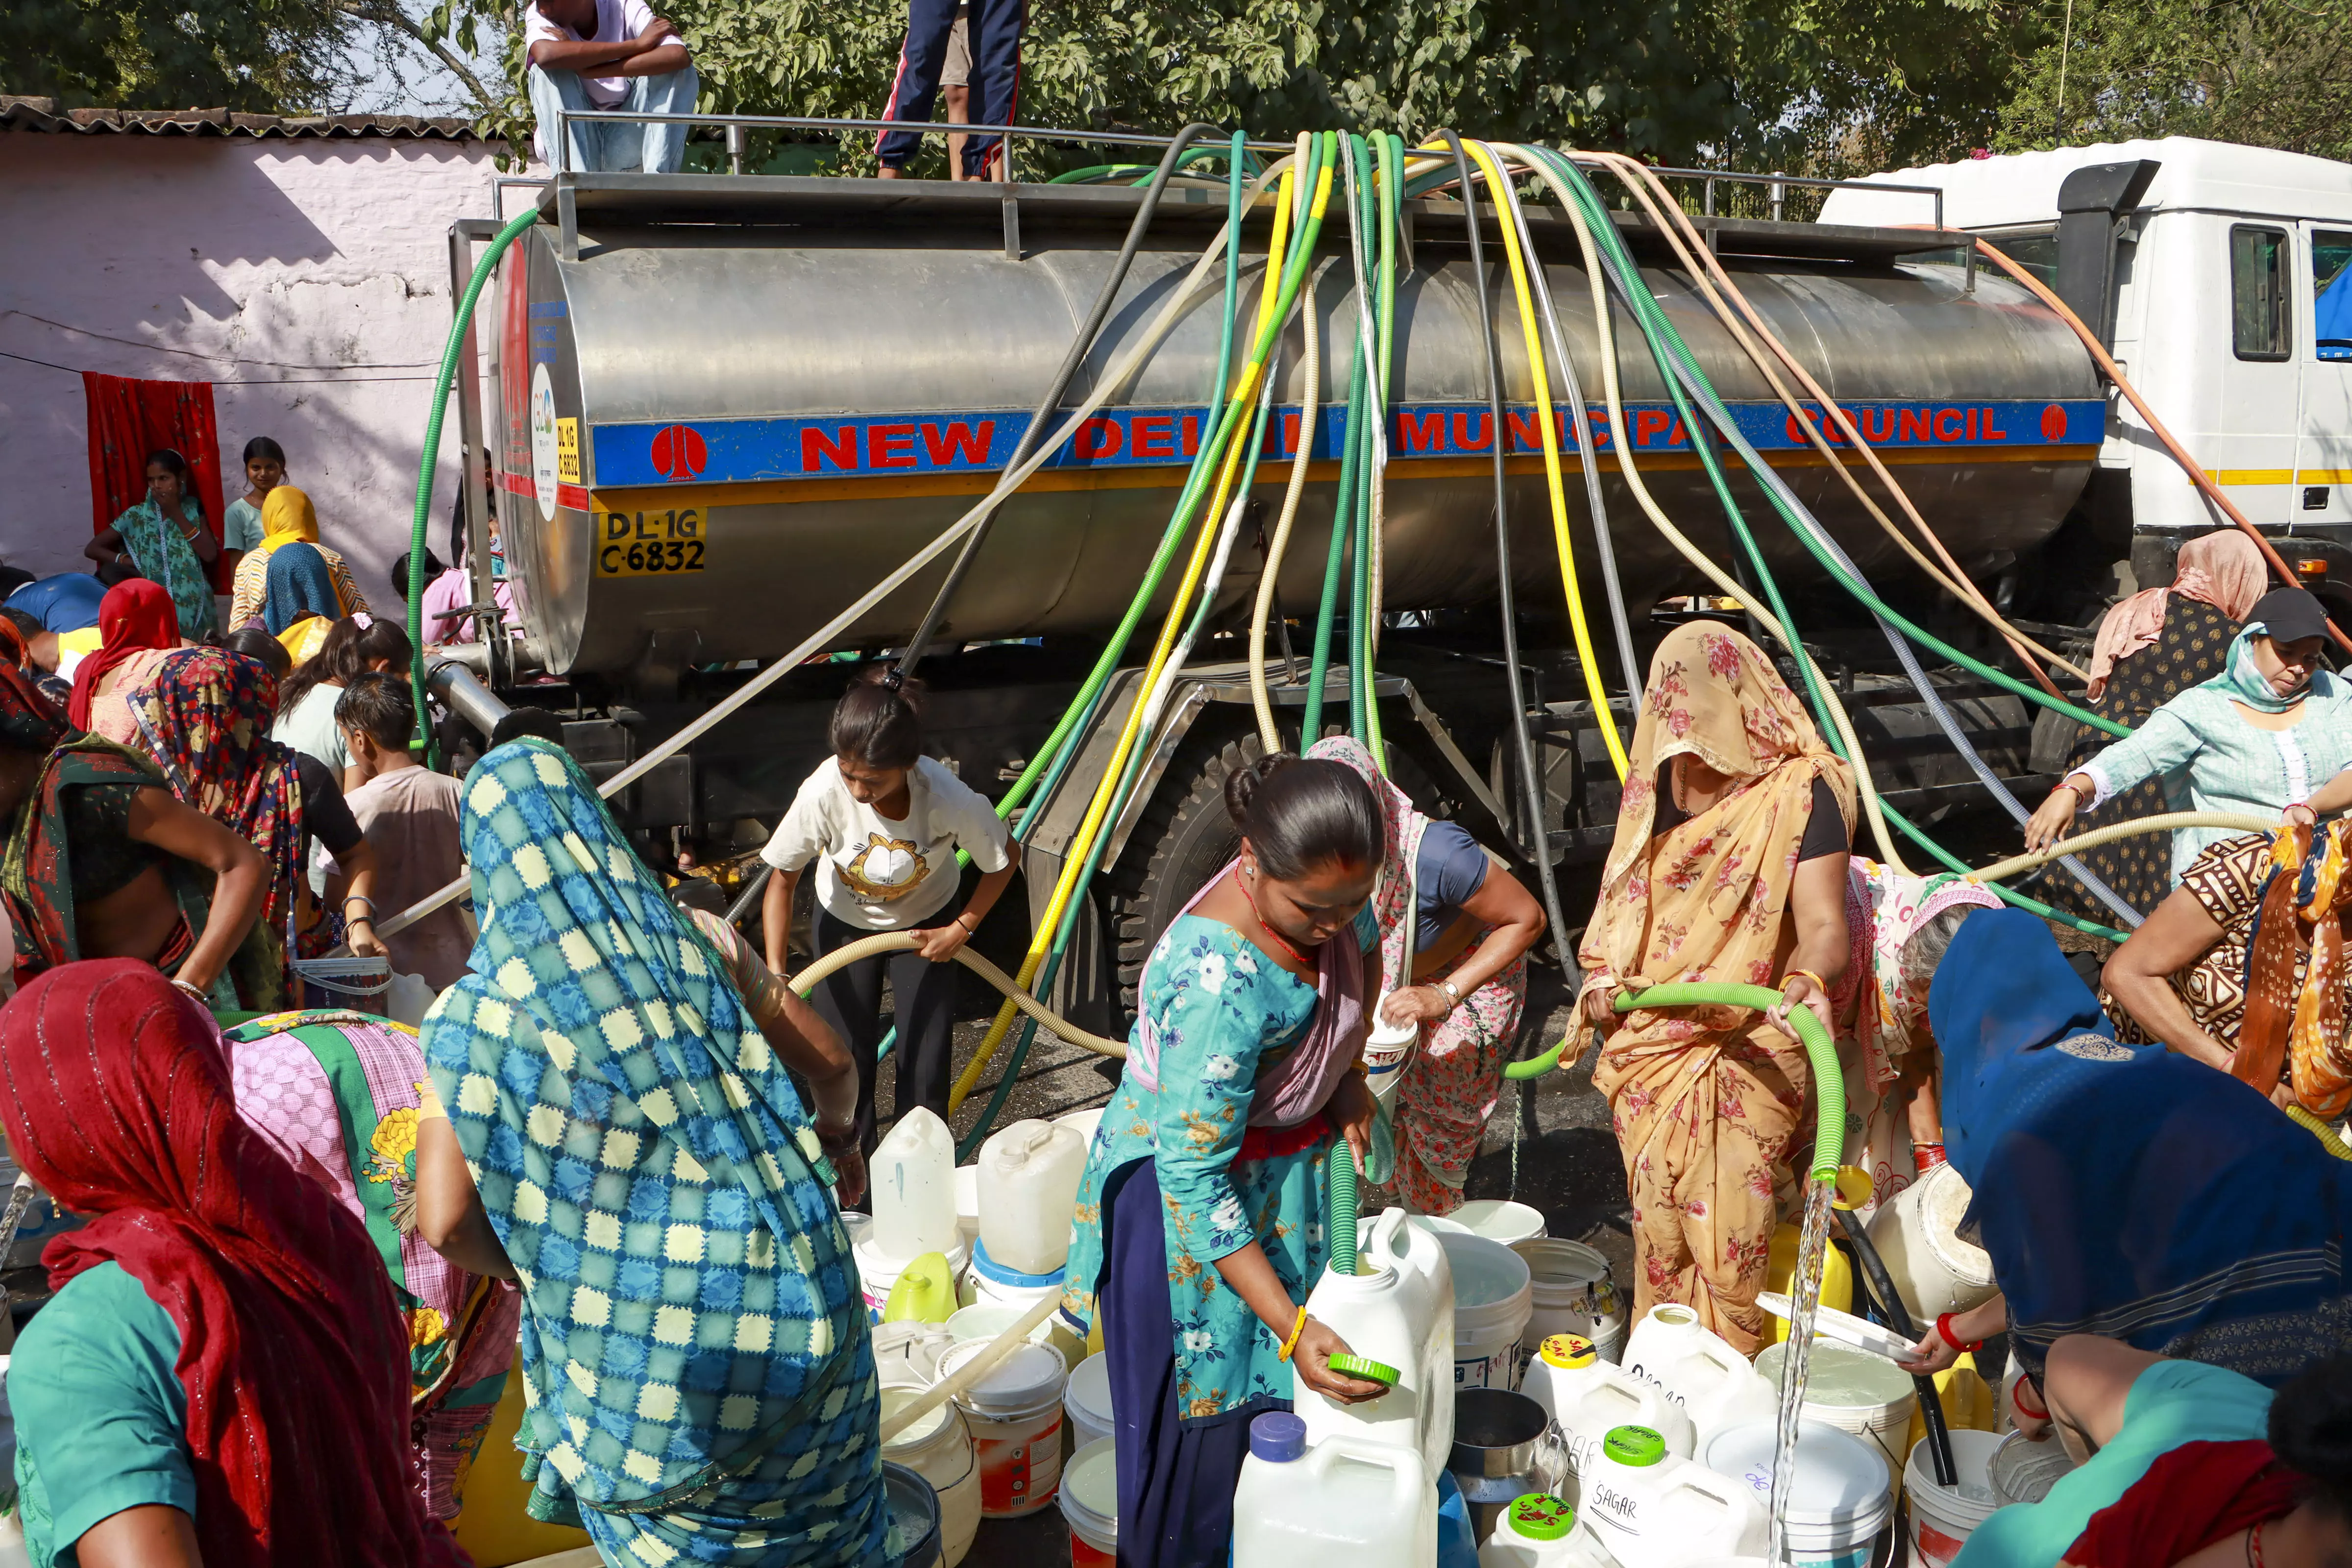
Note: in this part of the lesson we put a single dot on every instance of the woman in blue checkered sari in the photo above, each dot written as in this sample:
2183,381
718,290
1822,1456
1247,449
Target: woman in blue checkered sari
702,1385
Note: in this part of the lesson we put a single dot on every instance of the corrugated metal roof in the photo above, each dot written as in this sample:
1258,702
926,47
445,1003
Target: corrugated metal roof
40,115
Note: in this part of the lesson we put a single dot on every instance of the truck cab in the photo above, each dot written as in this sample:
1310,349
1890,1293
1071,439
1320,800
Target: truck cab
2216,276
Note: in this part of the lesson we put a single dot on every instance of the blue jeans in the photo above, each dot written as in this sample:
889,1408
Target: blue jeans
995,28
609,146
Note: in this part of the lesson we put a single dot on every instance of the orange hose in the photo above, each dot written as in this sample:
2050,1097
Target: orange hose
2108,368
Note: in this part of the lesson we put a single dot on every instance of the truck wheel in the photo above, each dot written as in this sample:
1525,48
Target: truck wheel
1184,838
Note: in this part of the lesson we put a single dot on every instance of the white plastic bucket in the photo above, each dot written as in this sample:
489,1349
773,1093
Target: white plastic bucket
1015,1416
1942,1517
966,1191
989,1283
1493,1298
938,1448
1855,1391
1917,1237
1573,1294
1086,1401
1500,1219
1090,1505
877,1271
1841,1496
986,1321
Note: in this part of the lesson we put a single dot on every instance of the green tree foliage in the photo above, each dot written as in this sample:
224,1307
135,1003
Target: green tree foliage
256,55
2269,73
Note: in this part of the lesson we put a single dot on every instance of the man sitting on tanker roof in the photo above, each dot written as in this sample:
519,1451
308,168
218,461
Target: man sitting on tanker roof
608,54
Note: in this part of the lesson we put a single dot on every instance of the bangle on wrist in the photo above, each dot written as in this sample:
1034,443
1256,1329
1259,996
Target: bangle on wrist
203,998
2016,1393
1944,1331
1819,983
1290,1345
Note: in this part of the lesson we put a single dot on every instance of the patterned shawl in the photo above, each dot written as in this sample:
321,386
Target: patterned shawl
2223,569
164,555
293,1353
1895,1022
2302,1031
205,721
1704,900
592,997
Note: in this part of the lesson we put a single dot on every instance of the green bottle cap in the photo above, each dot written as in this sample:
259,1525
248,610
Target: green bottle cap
1370,1371
1540,1516
1635,1445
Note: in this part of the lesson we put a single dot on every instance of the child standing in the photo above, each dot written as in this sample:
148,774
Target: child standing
884,823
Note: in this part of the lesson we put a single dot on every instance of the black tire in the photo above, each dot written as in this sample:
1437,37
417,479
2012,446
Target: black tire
1184,838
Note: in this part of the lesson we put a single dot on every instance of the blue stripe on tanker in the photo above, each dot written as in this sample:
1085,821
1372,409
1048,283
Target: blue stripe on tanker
723,451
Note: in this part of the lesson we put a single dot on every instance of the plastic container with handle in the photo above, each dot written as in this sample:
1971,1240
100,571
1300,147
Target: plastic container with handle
1339,1503
1028,1189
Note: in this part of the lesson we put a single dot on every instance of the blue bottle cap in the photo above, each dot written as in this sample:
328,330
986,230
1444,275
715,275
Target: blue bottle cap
1278,1436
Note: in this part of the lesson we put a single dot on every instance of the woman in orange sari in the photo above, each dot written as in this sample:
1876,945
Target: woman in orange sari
1729,866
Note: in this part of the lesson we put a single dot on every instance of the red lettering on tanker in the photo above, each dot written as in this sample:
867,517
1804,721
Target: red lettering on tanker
1947,424
890,446
840,449
678,452
1097,438
958,438
1648,424
1526,435
1154,437
2053,423
1914,424
1988,431
1421,432
1465,425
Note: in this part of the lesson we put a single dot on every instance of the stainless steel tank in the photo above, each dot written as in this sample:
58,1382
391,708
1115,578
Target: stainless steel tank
711,435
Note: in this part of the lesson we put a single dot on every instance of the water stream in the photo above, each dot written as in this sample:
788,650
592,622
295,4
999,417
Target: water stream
1804,1296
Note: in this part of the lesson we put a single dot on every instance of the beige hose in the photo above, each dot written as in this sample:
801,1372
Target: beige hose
970,1372
1310,401
903,940
2236,821
1614,393
1676,229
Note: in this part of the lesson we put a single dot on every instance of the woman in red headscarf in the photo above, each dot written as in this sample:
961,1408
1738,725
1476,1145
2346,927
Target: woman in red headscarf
221,1376
136,618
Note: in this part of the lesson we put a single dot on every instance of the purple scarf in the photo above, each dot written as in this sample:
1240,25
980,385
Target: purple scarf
1298,1087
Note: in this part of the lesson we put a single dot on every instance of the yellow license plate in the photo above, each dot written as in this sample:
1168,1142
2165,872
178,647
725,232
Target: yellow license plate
650,544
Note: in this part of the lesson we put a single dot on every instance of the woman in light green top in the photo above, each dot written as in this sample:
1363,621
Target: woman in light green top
264,471
2260,737
165,539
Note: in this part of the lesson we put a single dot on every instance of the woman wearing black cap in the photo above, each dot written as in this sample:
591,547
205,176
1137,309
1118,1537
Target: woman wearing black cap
2260,736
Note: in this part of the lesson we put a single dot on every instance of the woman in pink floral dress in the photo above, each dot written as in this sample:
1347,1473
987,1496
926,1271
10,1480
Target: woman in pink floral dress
1464,926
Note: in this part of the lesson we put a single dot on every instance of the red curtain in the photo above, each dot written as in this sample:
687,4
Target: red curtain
129,419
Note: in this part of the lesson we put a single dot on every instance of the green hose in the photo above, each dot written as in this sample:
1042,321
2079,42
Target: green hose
1343,1208
1829,1079
431,456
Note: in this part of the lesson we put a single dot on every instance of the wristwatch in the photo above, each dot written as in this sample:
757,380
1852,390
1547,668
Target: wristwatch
1452,994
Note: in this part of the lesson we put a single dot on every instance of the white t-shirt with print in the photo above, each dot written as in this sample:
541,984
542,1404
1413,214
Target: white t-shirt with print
615,20
878,874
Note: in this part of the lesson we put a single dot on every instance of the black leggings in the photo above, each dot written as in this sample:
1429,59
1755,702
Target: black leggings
850,999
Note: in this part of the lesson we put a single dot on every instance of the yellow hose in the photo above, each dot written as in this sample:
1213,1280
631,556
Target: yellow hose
902,941
1499,190
2321,1130
1614,393
2238,821
1099,807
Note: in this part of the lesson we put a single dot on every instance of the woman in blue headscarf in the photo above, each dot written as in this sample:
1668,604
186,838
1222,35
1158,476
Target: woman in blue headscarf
702,1385
2263,735
2128,1192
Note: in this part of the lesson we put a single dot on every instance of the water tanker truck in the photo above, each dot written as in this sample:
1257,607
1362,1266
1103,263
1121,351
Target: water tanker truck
712,410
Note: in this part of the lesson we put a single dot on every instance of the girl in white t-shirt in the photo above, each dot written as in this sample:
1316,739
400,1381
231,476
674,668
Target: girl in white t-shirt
883,823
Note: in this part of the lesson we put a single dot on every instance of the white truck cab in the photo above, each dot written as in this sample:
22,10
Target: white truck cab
2217,276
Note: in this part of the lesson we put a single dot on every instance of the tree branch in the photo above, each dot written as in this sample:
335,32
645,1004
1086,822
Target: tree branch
388,14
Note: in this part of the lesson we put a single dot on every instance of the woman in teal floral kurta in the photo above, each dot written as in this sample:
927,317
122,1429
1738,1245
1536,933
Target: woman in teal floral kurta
1201,1219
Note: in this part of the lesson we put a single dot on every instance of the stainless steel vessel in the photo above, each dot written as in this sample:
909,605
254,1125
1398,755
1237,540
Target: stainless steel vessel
729,405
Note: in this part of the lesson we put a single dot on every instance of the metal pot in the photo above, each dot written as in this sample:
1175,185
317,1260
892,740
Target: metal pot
914,1533
1502,1450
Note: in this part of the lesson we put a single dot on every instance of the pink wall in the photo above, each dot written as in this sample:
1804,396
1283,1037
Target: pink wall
307,280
